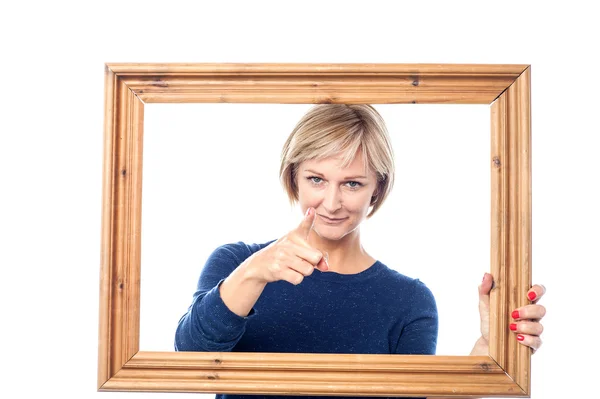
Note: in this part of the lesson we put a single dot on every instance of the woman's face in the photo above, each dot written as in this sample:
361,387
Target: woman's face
340,196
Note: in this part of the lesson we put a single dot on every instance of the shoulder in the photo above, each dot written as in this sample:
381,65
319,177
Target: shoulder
407,287
239,250
227,257
396,278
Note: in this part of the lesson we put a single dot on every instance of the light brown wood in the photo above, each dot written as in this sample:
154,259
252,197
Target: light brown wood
313,373
511,223
122,367
320,83
121,225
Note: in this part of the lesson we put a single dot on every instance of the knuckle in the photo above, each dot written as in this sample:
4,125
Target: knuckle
275,267
531,328
540,329
309,270
542,311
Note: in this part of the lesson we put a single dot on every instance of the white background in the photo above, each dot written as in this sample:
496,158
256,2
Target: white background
52,69
211,177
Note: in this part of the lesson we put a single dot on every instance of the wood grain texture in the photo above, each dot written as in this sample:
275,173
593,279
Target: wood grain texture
122,367
511,224
121,227
344,374
318,83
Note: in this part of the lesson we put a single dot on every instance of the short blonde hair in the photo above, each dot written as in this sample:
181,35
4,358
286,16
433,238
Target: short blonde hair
328,130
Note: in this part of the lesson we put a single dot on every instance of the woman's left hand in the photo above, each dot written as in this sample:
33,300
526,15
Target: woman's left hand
525,320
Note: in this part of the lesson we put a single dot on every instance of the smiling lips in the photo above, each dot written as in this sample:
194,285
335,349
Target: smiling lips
332,221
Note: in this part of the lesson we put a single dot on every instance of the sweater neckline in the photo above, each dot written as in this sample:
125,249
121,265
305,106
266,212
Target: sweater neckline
369,272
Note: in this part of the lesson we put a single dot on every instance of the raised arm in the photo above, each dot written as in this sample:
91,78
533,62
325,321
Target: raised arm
209,325
231,283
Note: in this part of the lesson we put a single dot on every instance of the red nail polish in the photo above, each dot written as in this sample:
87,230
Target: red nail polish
520,337
513,326
531,295
515,314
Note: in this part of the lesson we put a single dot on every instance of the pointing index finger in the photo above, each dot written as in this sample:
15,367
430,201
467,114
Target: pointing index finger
307,224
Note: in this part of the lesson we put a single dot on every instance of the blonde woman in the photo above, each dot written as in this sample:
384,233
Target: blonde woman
316,289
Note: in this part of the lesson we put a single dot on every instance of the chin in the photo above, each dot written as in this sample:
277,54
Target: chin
332,233
331,237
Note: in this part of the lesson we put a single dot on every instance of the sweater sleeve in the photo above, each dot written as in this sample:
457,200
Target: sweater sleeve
209,325
420,332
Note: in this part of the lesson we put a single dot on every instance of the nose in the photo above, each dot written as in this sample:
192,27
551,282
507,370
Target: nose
333,199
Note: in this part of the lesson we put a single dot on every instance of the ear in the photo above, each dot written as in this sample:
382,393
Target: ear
374,196
377,189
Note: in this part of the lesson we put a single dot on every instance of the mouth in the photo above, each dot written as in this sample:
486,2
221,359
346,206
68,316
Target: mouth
331,220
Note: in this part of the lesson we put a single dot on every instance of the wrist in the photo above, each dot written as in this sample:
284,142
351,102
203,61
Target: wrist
241,289
250,274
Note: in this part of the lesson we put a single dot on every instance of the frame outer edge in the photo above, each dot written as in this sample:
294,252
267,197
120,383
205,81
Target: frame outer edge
118,343
522,89
104,347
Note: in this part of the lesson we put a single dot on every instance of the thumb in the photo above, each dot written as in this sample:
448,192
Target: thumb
306,225
485,287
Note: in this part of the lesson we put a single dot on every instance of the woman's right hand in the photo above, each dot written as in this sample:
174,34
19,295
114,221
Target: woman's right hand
290,258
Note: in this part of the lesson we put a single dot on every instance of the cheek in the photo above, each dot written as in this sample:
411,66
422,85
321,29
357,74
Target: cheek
306,195
358,202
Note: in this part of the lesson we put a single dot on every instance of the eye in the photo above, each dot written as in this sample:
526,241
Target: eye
315,179
354,184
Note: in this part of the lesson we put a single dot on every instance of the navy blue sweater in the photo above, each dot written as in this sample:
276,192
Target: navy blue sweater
377,311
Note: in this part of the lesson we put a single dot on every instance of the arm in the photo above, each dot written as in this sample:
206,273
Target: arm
229,288
290,258
209,324
419,334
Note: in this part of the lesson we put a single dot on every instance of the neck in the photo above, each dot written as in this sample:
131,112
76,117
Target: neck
346,256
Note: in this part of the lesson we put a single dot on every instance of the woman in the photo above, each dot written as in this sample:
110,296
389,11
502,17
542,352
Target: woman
316,289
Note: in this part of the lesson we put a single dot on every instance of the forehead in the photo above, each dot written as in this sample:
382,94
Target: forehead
334,166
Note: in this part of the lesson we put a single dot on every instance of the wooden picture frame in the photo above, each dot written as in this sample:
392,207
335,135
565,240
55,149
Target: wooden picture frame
123,367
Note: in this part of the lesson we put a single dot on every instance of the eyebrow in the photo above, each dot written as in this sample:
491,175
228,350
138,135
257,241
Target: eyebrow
346,178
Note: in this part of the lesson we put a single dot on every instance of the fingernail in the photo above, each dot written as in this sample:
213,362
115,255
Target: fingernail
531,295
307,212
513,327
515,314
326,257
520,337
